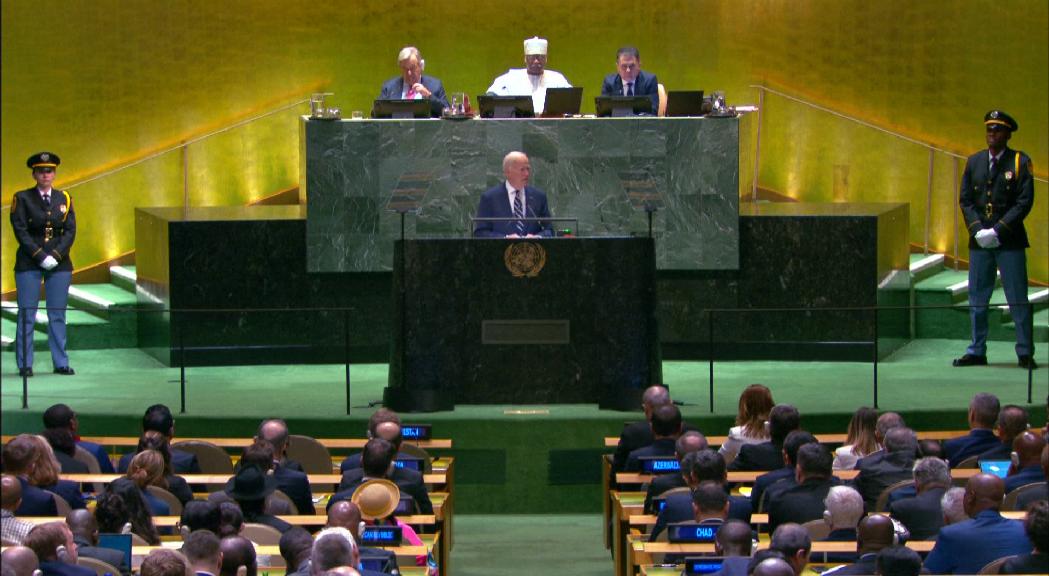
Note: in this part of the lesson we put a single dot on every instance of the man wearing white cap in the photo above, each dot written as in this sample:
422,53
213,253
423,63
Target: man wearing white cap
533,79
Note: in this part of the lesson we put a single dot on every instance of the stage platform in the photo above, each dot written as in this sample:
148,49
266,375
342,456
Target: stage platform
511,459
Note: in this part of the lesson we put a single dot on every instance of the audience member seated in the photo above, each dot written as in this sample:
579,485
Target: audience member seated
1031,496
275,431
770,563
238,553
159,419
895,463
45,471
983,415
705,466
687,443
334,548
709,508
874,534
1012,421
844,511
859,441
85,534
377,463
12,529
200,515
887,421
733,543
294,484
134,508
231,519
793,541
147,469
204,552
346,514
54,547
898,561
295,547
638,434
20,559
922,514
165,562
666,427
377,501
64,449
783,419
1027,465
953,506
929,448
249,487
177,485
968,546
1036,524
61,416
803,501
379,426
795,440
755,403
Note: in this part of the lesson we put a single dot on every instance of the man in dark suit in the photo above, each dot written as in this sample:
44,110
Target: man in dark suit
413,85
733,543
54,546
804,500
1012,420
997,193
1036,524
1027,466
630,80
966,547
922,513
874,534
85,534
204,552
878,472
983,414
158,418
513,198
898,560
294,484
346,514
237,552
795,440
1032,495
377,462
707,466
383,423
275,431
794,543
783,419
295,547
666,428
19,455
62,416
686,444
638,434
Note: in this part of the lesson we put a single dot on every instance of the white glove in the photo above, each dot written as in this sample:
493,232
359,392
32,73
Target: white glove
49,263
987,238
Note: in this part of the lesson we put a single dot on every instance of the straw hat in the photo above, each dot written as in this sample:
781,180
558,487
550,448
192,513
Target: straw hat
377,499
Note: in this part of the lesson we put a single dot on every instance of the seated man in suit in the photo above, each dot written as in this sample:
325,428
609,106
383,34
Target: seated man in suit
1032,495
54,546
706,466
377,462
844,508
794,441
61,416
379,426
20,456
275,431
1027,465
203,549
295,546
238,553
783,418
803,501
879,471
638,434
346,514
983,414
953,506
1012,420
158,417
794,543
966,547
1036,524
666,427
513,198
687,443
12,529
200,515
922,514
85,534
294,484
412,84
734,544
875,533
630,80
898,560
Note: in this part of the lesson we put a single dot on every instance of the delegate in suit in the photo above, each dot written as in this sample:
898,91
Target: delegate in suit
631,80
513,198
413,85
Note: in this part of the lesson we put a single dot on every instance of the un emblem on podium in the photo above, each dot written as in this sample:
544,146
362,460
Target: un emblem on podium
524,259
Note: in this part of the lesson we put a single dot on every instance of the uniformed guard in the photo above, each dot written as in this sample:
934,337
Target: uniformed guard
45,227
996,195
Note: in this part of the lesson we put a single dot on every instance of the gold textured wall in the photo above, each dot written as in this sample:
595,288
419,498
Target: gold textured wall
107,82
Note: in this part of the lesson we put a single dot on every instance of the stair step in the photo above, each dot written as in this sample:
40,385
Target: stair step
924,266
99,299
123,276
7,335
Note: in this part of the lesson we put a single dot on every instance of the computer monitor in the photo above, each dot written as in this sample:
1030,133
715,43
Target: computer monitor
401,109
685,103
505,106
999,468
623,105
561,102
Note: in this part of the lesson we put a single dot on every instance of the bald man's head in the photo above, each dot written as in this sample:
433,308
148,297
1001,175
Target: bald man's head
1028,447
874,533
11,490
773,567
82,523
22,559
345,514
389,431
983,492
733,539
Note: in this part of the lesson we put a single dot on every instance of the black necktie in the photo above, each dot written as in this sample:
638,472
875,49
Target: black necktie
47,199
629,88
994,166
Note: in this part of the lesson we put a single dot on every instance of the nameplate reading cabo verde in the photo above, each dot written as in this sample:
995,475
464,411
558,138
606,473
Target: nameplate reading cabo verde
524,259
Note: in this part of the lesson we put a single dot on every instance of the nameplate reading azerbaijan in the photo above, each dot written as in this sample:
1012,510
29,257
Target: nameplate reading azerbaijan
660,465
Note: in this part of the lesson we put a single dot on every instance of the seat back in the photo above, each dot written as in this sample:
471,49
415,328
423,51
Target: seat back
101,568
61,505
662,109
314,456
88,459
417,452
174,504
137,540
261,534
212,459
284,501
1012,498
883,499
818,529
996,566
970,462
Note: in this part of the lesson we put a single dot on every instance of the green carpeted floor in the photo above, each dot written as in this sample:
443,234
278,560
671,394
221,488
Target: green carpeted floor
534,544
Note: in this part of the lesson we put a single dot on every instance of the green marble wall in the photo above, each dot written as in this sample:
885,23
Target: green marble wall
599,171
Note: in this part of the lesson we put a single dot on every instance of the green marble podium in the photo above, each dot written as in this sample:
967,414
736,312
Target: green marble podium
604,172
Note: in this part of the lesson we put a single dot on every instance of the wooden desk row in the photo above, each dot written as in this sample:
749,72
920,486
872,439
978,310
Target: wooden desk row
330,443
436,479
613,441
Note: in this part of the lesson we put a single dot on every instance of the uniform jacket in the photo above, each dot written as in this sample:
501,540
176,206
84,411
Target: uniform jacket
1009,190
29,220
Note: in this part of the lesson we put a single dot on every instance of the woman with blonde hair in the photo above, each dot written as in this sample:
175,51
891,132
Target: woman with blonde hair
859,441
755,403
45,474
147,469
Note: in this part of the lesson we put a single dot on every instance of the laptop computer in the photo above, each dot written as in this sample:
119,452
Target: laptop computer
561,102
685,103
999,468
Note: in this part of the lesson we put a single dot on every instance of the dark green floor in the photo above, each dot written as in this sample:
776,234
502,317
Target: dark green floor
533,544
